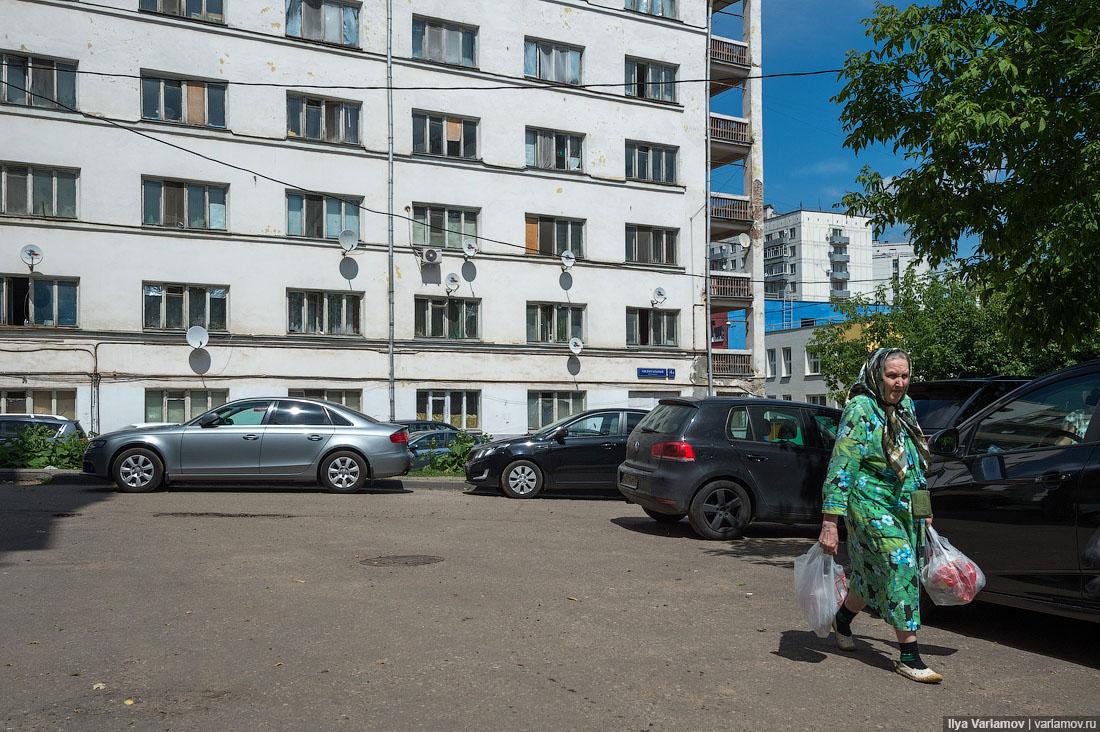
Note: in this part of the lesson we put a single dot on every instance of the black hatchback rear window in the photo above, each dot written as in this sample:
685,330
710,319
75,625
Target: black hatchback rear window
937,406
668,419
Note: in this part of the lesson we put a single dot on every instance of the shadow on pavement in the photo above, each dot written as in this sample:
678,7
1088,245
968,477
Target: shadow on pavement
877,651
557,494
30,512
380,486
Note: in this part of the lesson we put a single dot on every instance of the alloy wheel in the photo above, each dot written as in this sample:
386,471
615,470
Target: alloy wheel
522,479
343,472
136,471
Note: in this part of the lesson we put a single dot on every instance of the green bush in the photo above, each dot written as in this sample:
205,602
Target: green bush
32,448
453,461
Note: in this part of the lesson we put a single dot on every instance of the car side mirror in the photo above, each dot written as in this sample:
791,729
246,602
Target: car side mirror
945,442
559,433
209,420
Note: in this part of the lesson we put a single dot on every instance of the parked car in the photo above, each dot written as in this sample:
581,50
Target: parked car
426,446
581,451
12,424
274,439
947,403
425,425
1016,487
727,461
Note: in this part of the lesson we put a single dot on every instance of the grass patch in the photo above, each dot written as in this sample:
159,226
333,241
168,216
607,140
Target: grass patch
431,472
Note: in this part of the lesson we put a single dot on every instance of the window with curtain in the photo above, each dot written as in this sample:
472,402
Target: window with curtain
546,407
350,398
663,8
459,409
180,306
650,80
181,405
183,204
650,245
198,103
322,20
651,163
447,43
38,302
61,402
315,118
651,327
37,82
552,61
439,134
554,322
324,313
209,10
321,217
32,191
552,150
452,318
549,235
443,226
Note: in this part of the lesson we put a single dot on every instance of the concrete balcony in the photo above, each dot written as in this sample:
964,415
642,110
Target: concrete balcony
839,293
842,276
837,239
729,216
778,277
730,140
727,362
729,64
775,254
733,291
834,257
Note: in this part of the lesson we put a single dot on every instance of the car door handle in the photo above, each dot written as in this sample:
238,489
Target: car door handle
756,458
314,437
608,445
251,437
1053,477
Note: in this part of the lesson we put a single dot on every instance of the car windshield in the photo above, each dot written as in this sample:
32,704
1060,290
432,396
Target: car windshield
554,425
936,407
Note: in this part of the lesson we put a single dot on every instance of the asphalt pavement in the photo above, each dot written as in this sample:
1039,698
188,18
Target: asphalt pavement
287,608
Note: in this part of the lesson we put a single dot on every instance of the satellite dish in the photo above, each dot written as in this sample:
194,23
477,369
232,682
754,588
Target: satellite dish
659,295
576,345
31,255
197,337
348,240
469,247
568,259
452,282
744,240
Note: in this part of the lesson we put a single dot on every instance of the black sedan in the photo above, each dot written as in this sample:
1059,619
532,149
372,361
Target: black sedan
582,451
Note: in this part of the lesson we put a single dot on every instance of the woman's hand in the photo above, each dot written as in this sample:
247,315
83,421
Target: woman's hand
829,537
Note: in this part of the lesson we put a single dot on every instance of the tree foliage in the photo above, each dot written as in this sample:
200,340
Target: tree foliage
995,106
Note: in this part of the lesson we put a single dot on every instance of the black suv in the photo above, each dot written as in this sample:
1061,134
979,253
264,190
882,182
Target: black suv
726,461
947,403
13,424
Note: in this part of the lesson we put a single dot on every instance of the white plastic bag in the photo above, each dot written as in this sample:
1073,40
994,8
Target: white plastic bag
821,586
949,576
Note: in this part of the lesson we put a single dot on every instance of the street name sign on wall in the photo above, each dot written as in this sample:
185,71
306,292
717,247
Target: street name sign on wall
656,373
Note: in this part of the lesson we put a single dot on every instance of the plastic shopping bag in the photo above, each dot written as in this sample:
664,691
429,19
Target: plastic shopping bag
949,576
821,586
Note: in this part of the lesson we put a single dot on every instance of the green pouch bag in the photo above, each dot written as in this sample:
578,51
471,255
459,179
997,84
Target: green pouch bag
920,504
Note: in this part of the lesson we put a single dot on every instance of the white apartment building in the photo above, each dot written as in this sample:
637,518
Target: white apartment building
816,255
219,148
891,260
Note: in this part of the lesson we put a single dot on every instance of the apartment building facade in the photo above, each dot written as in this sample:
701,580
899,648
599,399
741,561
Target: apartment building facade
816,255
225,164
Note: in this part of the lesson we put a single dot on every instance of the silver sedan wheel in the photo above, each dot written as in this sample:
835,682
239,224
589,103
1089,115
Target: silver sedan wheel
136,471
343,472
522,480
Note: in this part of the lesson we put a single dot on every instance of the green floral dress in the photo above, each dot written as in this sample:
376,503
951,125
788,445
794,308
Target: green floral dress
882,534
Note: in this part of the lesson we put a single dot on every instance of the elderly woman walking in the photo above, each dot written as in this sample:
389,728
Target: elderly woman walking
878,461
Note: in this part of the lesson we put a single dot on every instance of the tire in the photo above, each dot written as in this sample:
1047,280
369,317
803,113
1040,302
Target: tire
521,479
138,470
720,510
343,472
664,518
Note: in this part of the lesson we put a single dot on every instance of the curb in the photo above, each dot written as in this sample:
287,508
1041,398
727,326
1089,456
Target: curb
439,483
41,475
37,474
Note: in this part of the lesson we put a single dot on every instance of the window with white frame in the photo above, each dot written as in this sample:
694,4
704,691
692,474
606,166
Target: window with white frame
198,103
552,150
652,163
818,399
350,398
440,134
329,120
771,365
183,204
461,409
813,364
323,313
665,8
209,10
38,302
443,42
554,322
650,245
651,327
179,307
443,226
37,82
61,402
547,407
447,317
181,405
551,61
32,191
323,20
787,362
549,235
650,80
321,217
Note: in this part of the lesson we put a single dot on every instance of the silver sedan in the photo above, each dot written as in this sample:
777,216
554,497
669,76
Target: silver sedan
275,439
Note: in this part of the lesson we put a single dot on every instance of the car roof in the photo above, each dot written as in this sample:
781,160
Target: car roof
51,417
742,400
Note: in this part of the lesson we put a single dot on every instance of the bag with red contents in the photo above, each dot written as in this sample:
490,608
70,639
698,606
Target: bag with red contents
820,586
949,576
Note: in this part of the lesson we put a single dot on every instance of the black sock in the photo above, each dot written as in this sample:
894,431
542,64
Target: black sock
844,618
910,655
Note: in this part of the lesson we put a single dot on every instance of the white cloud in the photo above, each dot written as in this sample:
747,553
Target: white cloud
826,167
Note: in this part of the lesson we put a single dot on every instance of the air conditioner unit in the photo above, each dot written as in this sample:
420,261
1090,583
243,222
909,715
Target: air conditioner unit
431,256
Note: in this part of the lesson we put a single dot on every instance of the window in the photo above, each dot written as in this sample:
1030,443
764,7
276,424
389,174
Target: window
776,425
183,205
666,8
818,399
546,407
299,413
554,323
650,163
321,217
603,424
31,191
827,424
178,307
788,398
437,134
459,409
322,20
649,245
813,364
38,82
328,313
771,365
350,398
208,10
36,301
649,80
551,61
546,235
441,226
1051,416
181,405
61,402
322,119
438,317
198,103
651,327
552,150
737,427
447,43
787,362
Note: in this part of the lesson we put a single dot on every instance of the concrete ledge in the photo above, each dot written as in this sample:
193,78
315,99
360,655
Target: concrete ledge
440,483
40,475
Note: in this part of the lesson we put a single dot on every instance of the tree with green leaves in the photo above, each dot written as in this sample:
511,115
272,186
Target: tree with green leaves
995,106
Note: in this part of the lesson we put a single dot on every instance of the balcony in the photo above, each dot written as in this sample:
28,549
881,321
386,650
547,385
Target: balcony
729,64
730,140
835,257
729,290
838,239
774,254
729,216
777,277
839,293
726,362
842,276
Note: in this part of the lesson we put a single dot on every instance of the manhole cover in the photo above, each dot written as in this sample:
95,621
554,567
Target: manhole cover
403,560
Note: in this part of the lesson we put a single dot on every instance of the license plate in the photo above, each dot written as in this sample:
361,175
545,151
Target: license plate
630,481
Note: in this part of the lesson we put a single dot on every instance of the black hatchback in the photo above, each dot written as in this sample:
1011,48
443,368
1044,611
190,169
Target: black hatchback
726,461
